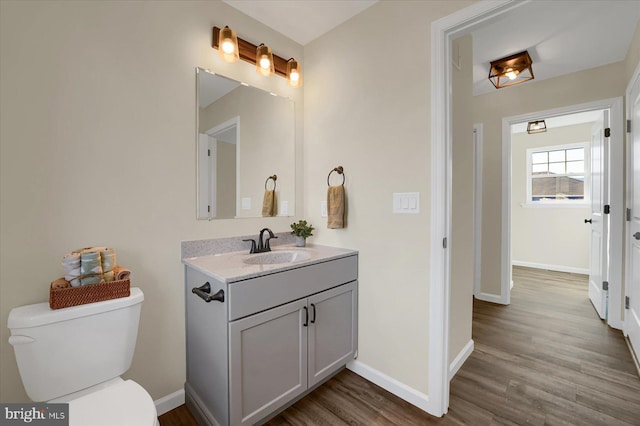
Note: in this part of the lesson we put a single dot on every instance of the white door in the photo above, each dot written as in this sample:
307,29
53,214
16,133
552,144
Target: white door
598,261
632,288
207,152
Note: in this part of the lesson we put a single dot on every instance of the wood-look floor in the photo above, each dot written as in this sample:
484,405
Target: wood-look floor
546,359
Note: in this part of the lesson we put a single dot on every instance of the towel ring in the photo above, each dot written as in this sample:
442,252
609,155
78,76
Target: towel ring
340,171
274,178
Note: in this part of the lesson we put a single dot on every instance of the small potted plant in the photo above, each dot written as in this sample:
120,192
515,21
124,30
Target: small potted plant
302,230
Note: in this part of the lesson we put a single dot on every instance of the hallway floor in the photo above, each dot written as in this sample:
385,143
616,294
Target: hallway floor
546,359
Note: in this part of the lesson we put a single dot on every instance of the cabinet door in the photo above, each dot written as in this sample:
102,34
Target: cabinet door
267,361
333,320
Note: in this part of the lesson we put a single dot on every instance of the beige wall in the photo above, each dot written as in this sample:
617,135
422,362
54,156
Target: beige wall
226,164
367,108
462,229
549,236
97,147
581,87
633,55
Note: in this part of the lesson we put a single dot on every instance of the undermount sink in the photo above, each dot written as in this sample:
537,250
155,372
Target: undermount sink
275,257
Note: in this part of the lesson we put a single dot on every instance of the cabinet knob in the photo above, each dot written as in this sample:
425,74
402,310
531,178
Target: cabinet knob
204,292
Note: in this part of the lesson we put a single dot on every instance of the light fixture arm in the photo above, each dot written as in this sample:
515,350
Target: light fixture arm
247,52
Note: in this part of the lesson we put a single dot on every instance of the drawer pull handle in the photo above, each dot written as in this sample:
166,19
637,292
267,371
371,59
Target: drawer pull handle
313,321
306,317
204,292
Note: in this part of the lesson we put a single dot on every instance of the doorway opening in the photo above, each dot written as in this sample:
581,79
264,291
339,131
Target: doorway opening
559,190
601,205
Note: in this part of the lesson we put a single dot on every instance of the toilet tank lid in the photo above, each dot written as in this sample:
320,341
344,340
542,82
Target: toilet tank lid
40,313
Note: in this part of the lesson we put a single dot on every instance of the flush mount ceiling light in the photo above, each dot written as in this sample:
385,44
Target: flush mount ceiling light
536,127
511,70
249,52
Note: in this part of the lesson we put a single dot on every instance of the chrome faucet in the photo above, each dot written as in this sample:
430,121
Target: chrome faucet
263,245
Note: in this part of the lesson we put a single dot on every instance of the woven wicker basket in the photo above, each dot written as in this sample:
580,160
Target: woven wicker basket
73,296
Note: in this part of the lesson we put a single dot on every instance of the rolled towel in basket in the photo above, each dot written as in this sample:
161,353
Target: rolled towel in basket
121,273
108,262
71,266
90,267
60,283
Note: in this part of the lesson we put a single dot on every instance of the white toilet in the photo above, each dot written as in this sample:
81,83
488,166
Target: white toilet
76,355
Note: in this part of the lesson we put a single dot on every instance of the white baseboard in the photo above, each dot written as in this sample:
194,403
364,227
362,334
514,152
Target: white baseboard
392,385
169,402
460,359
558,268
488,297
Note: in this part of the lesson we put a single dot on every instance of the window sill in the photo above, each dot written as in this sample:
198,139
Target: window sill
555,205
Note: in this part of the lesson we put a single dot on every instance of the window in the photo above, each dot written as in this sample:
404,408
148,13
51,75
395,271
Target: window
558,174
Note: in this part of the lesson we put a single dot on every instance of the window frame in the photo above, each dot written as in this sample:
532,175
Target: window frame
585,202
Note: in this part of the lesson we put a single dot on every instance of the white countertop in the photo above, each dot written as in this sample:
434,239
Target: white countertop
230,267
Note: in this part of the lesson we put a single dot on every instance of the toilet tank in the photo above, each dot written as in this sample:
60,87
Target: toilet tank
66,350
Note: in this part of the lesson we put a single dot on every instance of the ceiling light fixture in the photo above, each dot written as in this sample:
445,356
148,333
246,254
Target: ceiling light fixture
538,126
514,69
248,52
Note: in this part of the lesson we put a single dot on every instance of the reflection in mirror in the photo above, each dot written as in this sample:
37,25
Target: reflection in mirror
245,135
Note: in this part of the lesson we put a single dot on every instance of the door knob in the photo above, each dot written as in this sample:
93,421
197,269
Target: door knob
636,235
587,221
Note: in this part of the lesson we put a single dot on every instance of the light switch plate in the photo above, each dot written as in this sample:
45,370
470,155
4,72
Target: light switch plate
284,208
406,202
323,208
246,203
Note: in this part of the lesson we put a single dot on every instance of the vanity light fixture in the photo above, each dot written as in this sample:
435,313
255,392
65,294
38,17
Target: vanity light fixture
294,73
514,69
264,60
248,52
538,126
228,42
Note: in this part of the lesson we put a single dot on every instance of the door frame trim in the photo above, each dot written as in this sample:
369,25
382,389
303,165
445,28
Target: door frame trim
443,31
629,181
616,198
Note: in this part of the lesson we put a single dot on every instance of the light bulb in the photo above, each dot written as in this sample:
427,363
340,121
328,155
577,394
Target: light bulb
228,46
294,76
265,62
511,74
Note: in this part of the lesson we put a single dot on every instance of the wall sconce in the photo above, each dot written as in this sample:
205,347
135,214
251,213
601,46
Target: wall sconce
264,60
294,73
511,70
538,126
228,42
248,52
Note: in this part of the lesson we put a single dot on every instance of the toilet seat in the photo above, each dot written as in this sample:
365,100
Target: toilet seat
124,404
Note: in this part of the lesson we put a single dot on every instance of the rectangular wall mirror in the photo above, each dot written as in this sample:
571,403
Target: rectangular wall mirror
244,136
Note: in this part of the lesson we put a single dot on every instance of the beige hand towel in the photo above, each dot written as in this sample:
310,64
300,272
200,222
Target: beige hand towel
121,273
269,203
335,207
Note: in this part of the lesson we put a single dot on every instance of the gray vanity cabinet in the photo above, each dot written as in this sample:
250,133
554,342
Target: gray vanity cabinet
280,353
268,366
273,339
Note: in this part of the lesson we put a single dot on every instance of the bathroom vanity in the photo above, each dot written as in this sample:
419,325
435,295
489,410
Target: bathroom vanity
276,325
